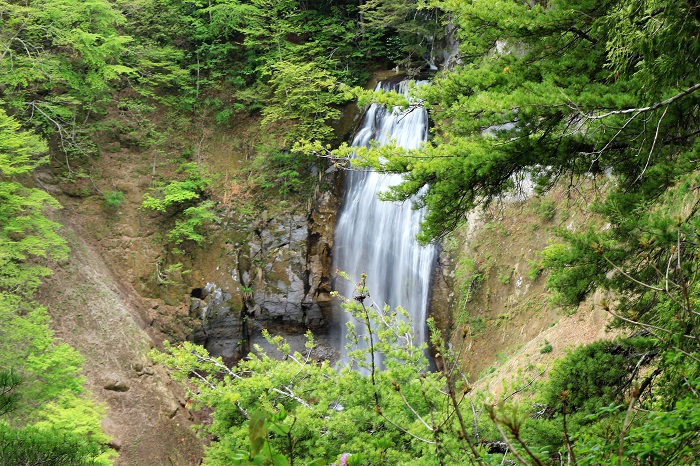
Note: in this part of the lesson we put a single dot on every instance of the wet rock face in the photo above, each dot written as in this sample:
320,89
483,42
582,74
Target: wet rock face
281,281
320,246
221,330
447,55
280,274
292,281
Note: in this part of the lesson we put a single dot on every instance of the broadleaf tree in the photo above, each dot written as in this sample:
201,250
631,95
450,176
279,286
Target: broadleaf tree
45,417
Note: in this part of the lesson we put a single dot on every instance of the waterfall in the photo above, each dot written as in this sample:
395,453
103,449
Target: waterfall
378,238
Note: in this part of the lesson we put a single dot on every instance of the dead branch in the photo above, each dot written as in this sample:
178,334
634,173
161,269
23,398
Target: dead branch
291,395
526,385
634,394
638,110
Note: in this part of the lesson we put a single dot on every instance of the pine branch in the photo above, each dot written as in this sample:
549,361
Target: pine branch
638,110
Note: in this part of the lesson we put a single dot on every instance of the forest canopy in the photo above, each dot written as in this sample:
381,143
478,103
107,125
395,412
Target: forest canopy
557,91
67,67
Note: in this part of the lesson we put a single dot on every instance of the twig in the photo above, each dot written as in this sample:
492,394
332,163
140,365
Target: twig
648,327
569,446
418,416
431,442
626,424
618,269
684,283
639,110
476,425
653,145
527,384
291,395
510,445
455,404
216,364
203,379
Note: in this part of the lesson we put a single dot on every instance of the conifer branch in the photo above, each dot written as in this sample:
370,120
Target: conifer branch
638,110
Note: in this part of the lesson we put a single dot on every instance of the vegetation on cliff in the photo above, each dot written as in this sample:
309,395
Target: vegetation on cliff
45,418
583,91
552,90
74,73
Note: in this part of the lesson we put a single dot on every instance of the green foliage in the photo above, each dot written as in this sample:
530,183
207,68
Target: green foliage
59,59
408,29
47,367
281,172
297,409
504,277
177,195
195,218
534,96
596,375
45,421
306,94
80,417
657,438
173,274
285,58
19,150
24,230
546,348
269,411
545,208
573,266
533,269
32,446
260,427
469,277
9,381
113,199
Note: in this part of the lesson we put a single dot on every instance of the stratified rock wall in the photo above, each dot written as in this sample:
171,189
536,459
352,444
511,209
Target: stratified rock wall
279,280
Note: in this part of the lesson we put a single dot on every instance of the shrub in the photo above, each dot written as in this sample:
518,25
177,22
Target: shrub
546,209
113,199
546,348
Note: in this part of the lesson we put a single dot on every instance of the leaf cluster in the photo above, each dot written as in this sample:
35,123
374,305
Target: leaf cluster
186,199
34,446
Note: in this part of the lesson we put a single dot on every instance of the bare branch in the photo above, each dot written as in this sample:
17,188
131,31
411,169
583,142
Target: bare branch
291,395
431,442
626,424
510,445
203,379
618,269
567,438
653,144
527,384
637,111
418,416
651,329
216,364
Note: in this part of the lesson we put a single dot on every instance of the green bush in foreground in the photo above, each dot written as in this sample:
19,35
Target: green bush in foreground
387,407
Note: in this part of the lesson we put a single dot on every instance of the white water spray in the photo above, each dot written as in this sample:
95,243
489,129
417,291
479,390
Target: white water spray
378,238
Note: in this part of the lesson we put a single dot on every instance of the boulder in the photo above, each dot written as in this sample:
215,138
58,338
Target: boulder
115,384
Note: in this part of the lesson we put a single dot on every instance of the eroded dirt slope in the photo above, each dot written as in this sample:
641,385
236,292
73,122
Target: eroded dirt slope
502,320
106,321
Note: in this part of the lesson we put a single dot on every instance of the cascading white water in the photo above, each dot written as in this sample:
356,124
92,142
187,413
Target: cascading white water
378,238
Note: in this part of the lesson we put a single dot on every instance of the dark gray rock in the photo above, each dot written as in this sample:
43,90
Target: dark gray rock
221,330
